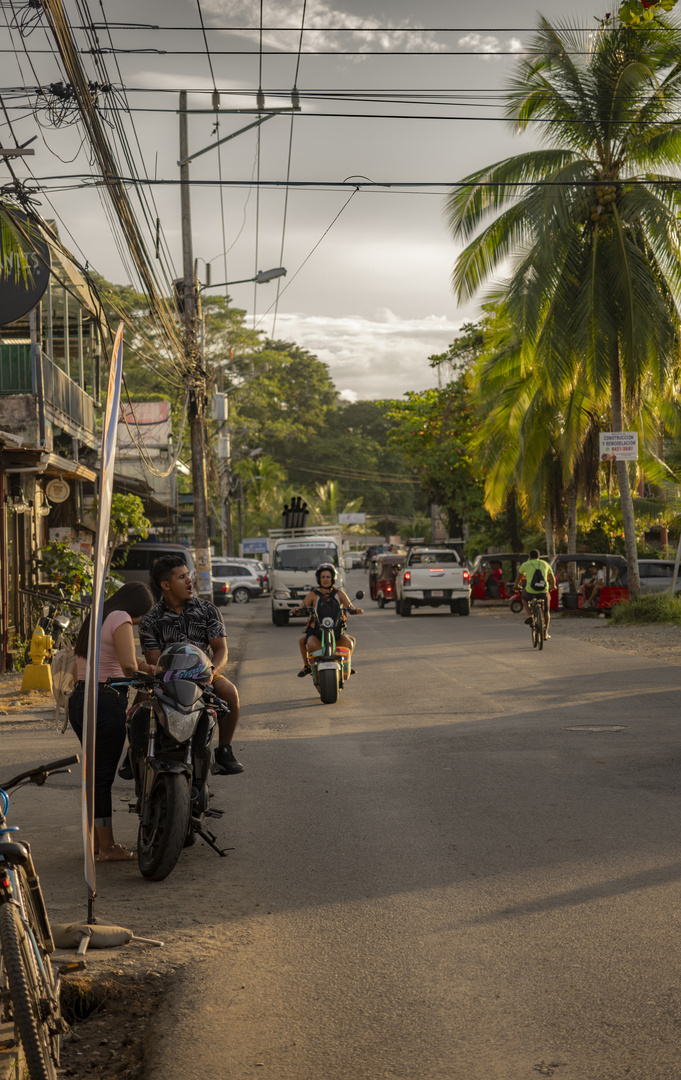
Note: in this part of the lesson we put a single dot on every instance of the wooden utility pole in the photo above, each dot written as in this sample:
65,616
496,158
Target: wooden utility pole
195,375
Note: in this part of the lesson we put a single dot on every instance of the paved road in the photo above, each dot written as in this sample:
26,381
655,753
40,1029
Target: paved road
441,878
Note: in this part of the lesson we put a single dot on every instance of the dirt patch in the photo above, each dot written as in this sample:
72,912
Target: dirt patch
109,1015
14,701
661,641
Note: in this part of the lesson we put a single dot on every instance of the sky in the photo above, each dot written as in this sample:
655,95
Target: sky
368,285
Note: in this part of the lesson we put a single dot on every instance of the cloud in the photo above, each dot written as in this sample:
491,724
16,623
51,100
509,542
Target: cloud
366,34
378,357
489,44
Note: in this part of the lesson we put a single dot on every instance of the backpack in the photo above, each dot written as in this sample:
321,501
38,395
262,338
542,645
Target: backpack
329,607
538,582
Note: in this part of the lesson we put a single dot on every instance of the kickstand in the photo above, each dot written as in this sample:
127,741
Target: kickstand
210,839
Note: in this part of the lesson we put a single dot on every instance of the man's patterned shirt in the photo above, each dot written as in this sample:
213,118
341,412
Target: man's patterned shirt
199,622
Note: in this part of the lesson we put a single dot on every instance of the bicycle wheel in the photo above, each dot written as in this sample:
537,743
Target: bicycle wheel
539,619
31,1006
533,628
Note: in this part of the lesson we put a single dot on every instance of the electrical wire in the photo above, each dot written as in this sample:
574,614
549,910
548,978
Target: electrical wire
307,257
216,101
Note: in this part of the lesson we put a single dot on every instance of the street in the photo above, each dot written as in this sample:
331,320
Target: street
452,873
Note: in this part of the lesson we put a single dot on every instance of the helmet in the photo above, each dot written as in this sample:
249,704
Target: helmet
326,566
184,662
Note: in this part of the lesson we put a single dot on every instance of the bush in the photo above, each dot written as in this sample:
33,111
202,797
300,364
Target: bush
654,608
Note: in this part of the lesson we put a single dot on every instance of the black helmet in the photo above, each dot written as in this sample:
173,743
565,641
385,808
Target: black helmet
326,566
184,662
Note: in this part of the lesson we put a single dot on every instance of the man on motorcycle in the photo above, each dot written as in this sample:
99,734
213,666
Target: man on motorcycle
182,617
309,643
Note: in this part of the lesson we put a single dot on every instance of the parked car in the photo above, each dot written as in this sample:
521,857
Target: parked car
134,563
656,575
243,580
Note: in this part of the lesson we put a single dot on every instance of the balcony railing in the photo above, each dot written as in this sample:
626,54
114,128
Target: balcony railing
57,394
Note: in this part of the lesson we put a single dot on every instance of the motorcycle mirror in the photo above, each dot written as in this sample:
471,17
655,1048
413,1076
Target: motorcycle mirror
359,595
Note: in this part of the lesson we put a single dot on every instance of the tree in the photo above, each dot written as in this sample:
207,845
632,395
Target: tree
589,222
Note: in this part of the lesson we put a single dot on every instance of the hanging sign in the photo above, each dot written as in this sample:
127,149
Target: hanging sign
57,491
618,445
21,288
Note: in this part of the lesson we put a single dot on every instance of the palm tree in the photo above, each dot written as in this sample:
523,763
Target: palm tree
589,222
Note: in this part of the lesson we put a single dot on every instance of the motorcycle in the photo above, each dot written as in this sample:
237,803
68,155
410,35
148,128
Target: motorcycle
331,664
171,759
53,622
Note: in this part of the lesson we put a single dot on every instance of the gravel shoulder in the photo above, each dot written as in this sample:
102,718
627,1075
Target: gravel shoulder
659,640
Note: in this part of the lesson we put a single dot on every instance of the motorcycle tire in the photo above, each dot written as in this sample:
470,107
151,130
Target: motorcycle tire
380,601
26,993
160,843
516,606
328,686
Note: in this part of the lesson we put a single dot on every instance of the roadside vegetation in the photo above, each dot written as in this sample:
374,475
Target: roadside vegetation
655,608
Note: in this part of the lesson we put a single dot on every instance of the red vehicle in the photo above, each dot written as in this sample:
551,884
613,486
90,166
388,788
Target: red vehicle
382,577
492,578
607,572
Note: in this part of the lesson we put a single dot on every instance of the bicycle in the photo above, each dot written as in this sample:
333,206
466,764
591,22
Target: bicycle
29,990
537,626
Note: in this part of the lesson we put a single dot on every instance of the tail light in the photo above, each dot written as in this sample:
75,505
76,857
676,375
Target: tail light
466,576
225,588
388,588
407,576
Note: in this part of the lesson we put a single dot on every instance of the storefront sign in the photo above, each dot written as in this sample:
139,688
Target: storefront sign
19,294
618,445
57,491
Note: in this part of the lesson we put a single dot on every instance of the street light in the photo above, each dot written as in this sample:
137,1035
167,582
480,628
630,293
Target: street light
260,278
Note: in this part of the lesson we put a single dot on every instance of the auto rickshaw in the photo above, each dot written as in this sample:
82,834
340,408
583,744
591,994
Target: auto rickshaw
382,577
612,589
492,578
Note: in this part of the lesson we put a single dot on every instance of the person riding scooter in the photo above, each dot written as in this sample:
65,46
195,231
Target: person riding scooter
309,643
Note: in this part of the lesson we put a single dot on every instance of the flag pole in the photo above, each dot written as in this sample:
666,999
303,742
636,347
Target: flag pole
108,457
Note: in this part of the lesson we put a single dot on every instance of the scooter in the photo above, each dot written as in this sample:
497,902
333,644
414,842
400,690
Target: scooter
331,664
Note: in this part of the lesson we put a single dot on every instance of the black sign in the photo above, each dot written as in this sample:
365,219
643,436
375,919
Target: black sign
21,290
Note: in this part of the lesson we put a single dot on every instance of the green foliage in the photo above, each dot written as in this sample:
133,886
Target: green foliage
653,608
127,513
633,13
68,572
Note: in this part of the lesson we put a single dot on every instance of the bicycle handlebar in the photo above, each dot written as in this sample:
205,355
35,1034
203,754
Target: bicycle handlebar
40,774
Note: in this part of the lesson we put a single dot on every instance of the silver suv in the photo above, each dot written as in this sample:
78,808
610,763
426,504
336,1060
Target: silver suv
656,575
243,580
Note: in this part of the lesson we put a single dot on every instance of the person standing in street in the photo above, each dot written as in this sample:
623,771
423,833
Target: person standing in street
116,660
180,617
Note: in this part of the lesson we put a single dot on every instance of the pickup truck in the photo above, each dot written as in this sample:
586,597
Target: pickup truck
433,577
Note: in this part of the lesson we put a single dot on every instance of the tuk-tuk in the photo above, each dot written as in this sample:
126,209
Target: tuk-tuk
600,582
382,577
492,577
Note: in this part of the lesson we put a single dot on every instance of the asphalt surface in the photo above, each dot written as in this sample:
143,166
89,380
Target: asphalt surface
447,880
467,869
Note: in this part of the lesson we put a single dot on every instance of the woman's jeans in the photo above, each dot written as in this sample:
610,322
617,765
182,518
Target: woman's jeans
109,742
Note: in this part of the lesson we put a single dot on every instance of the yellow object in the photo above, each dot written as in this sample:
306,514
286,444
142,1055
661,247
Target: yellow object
37,674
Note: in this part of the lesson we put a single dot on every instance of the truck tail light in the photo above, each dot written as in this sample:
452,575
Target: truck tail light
407,576
466,576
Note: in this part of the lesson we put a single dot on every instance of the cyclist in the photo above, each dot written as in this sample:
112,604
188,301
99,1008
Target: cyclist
538,578
309,642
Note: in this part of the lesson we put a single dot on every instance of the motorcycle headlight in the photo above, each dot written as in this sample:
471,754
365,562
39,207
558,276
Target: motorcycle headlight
327,623
282,594
180,725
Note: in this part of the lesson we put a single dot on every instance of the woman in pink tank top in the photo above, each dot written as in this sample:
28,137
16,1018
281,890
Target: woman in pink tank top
117,659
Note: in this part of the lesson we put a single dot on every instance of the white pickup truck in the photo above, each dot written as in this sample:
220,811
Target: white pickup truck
433,577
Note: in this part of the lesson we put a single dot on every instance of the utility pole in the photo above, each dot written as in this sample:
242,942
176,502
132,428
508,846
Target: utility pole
195,375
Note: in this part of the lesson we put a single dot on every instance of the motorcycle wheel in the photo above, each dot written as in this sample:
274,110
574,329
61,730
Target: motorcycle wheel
380,601
160,843
328,686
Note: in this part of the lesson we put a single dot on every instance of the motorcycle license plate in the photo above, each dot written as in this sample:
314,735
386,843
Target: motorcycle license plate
322,667
437,592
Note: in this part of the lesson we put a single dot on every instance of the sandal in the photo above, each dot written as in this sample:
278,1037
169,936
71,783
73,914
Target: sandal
116,853
307,670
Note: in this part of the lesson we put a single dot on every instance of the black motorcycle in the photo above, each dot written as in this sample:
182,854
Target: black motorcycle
170,755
